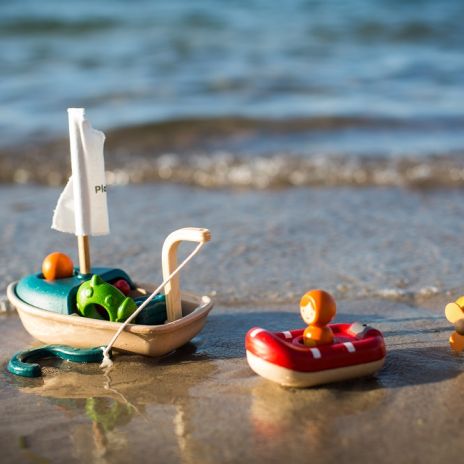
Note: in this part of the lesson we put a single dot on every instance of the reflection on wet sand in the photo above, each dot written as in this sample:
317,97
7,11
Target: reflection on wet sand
283,419
111,401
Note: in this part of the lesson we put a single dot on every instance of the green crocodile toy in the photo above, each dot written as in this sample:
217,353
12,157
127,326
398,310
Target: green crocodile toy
95,298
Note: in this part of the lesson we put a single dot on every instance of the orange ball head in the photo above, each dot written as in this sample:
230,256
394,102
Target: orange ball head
317,307
57,266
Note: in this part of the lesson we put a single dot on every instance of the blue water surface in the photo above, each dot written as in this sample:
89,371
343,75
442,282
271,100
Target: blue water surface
132,62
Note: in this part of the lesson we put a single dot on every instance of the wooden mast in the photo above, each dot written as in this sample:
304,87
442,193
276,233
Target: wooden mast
84,254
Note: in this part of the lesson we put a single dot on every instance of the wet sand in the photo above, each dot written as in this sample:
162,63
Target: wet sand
390,256
268,246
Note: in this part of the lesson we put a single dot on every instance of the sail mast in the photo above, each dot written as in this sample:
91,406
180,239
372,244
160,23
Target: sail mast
84,254
82,207
76,149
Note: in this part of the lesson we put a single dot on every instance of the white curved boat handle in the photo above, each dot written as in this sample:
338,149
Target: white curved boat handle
169,264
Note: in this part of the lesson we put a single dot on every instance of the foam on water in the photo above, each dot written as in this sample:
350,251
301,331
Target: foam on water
262,153
228,170
283,170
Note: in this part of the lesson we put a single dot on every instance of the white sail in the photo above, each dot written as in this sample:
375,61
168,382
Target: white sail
82,207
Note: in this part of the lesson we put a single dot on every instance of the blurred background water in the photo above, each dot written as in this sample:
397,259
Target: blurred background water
303,88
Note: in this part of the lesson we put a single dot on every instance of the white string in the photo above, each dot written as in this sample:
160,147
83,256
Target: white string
110,388
107,363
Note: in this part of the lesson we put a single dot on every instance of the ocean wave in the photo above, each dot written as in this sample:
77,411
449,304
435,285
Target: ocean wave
234,152
27,26
281,170
226,170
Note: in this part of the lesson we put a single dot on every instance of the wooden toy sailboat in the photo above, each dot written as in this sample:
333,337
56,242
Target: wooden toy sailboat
49,307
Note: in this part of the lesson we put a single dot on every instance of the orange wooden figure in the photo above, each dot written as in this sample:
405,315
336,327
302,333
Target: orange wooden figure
454,312
317,309
57,266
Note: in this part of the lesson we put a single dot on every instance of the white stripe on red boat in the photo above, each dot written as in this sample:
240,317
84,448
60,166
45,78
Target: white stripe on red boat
316,353
350,347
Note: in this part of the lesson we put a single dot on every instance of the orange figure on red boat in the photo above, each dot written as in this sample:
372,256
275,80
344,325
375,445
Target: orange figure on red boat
317,309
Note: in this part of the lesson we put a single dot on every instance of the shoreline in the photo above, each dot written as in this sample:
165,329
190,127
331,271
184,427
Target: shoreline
258,154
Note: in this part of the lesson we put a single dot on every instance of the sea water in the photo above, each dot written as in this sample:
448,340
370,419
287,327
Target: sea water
320,141
343,77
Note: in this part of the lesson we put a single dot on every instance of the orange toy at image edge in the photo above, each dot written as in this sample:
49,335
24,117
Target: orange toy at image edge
455,314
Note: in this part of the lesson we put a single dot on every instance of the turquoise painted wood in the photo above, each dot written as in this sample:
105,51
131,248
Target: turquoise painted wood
24,363
59,295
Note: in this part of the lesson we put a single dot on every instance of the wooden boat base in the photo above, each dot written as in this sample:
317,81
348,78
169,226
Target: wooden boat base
80,332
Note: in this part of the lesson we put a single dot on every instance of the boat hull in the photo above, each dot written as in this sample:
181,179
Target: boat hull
290,378
81,332
282,357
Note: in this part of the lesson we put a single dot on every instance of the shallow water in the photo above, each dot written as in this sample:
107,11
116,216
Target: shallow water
268,246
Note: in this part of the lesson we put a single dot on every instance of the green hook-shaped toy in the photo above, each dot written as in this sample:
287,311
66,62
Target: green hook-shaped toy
22,363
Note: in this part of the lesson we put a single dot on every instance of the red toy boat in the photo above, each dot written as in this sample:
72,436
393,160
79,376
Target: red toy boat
357,350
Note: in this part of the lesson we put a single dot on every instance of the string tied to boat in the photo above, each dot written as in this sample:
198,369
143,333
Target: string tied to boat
107,363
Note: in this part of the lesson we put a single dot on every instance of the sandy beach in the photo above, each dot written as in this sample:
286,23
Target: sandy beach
203,403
